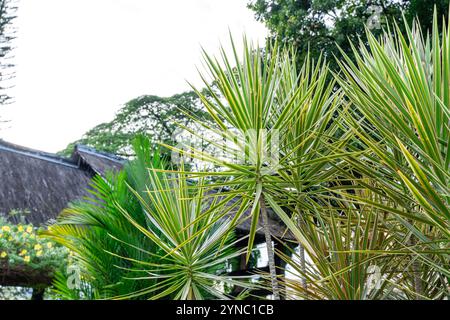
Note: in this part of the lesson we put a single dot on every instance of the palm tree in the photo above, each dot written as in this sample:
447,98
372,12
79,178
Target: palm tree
90,229
147,234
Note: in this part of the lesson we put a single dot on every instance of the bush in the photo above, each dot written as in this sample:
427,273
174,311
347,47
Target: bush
21,247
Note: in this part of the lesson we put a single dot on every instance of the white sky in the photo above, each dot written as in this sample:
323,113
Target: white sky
78,61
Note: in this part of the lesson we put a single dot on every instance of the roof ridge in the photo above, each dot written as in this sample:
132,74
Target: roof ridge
93,151
38,154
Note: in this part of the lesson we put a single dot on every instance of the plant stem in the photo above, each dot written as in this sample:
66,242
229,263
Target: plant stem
190,295
302,255
417,279
303,267
270,253
418,288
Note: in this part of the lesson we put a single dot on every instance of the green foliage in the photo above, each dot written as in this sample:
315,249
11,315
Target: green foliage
95,227
22,246
362,252
400,89
153,116
392,212
146,234
270,106
8,10
194,236
272,101
360,177
361,181
322,26
340,263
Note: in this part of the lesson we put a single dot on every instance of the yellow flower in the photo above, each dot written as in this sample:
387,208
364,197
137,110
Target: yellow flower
23,252
39,253
49,245
10,238
29,229
6,228
37,247
20,228
1,235
26,259
3,254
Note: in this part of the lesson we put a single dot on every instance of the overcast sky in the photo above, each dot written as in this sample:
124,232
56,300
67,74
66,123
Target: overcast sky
78,61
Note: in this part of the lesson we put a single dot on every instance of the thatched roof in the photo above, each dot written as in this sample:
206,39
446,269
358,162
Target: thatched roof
45,183
276,226
99,162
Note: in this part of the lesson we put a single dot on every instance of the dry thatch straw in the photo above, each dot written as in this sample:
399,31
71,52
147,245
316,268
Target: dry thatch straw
44,183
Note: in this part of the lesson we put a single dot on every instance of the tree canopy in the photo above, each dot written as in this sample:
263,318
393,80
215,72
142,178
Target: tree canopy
8,10
156,117
322,26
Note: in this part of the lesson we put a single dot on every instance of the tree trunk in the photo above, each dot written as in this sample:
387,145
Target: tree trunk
417,281
270,253
303,267
302,256
417,274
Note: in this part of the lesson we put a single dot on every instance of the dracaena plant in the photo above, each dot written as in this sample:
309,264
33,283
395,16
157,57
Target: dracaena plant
340,263
191,226
273,124
356,251
400,90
